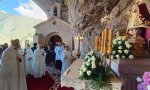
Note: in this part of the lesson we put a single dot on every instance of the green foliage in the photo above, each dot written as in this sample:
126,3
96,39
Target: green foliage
99,84
99,75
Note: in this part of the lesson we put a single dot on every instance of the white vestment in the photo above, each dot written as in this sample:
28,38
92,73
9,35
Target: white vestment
12,72
39,65
66,60
58,50
29,60
22,71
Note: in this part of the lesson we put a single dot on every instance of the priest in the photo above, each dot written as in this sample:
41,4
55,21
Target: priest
39,62
66,59
12,74
28,59
58,63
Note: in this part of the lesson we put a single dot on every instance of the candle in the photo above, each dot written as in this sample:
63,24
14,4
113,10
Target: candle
96,42
110,41
105,40
102,41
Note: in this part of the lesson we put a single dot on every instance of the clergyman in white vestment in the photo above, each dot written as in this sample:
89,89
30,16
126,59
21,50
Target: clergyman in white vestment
58,50
23,86
28,59
39,65
66,59
12,73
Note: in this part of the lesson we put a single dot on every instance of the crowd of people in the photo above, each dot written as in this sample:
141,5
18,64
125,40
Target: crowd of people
2,48
17,63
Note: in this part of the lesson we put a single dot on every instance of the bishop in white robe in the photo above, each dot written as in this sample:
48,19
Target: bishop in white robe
12,73
66,59
39,65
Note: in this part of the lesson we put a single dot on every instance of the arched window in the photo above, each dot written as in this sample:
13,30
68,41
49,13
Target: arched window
55,11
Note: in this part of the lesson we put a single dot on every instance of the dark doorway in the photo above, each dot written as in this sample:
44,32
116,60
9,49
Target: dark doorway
50,56
53,40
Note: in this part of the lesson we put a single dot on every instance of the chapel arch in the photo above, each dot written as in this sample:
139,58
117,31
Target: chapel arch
52,38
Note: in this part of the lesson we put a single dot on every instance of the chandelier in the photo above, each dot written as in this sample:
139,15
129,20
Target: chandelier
105,18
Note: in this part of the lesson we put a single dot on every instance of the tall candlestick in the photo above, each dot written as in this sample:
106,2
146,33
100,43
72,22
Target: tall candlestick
96,42
110,41
105,41
102,42
110,45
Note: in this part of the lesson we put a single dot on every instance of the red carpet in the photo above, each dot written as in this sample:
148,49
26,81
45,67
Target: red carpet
47,82
44,83
66,88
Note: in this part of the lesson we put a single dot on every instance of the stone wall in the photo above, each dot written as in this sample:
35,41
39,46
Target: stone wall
55,26
85,17
47,7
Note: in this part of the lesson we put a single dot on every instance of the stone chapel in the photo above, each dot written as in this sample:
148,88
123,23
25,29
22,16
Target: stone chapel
55,28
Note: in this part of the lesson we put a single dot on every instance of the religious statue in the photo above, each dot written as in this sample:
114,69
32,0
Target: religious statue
138,42
139,22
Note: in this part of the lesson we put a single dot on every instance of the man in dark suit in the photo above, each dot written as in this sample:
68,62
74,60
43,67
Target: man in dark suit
34,47
50,56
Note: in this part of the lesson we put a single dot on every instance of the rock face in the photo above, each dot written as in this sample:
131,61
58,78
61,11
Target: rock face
85,17
47,7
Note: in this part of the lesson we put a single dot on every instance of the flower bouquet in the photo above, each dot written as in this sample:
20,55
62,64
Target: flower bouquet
93,69
122,48
146,84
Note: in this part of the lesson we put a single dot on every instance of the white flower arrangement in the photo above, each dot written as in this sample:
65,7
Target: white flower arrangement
93,66
119,42
114,42
126,42
113,52
94,70
126,51
93,58
122,48
89,72
120,51
131,56
89,65
128,45
117,56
